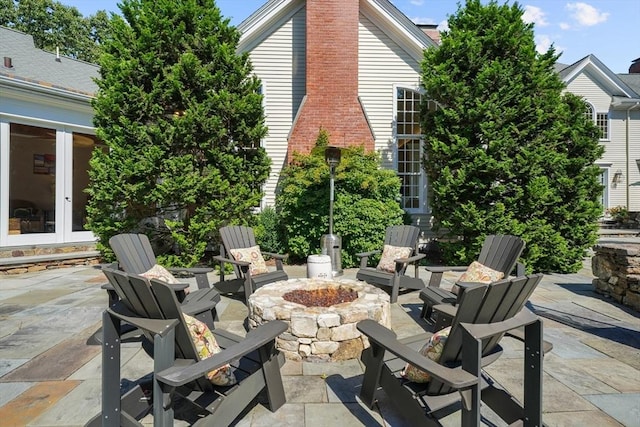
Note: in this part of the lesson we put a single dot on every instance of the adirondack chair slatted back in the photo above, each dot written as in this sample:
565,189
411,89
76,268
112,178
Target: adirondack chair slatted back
489,303
236,237
133,251
501,252
403,236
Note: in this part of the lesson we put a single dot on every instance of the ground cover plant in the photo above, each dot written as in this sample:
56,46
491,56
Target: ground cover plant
507,151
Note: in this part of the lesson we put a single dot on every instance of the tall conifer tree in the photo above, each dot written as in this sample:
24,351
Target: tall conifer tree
507,151
181,114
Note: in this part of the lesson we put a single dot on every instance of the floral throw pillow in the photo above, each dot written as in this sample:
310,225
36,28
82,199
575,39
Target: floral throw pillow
207,346
252,255
160,273
479,273
433,350
390,254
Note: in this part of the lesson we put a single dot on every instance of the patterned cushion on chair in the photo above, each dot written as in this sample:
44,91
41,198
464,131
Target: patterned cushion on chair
207,346
160,273
252,255
433,350
390,254
479,273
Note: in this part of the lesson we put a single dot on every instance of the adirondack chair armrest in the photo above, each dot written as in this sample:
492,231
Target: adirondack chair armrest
275,255
255,339
410,260
387,339
445,268
486,330
231,261
364,257
278,257
155,326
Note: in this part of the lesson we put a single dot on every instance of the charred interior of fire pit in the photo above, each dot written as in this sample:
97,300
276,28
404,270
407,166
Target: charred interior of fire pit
322,297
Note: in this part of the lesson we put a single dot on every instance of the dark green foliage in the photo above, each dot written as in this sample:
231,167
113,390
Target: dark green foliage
182,116
507,151
366,202
268,232
54,25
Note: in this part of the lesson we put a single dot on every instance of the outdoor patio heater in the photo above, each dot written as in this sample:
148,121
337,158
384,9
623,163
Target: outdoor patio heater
331,244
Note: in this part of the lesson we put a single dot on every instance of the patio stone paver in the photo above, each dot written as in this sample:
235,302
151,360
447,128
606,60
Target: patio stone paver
591,377
625,407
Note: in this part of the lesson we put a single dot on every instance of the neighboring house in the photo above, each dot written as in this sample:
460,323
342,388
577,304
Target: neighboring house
613,103
46,140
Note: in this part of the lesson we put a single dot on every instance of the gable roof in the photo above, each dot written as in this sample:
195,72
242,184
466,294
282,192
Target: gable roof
43,70
396,24
611,81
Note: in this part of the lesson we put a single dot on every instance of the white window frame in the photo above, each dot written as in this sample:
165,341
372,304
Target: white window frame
422,179
604,136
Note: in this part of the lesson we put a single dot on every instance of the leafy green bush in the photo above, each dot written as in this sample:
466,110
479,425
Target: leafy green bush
366,202
267,231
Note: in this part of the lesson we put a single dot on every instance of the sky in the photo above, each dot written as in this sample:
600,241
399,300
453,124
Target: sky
603,28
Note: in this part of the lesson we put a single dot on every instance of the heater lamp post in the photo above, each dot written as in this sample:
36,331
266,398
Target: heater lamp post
331,244
332,157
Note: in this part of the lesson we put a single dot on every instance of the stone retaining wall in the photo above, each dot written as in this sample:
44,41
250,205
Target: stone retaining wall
617,270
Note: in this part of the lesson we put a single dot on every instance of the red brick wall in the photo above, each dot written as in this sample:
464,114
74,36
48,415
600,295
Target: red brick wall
331,100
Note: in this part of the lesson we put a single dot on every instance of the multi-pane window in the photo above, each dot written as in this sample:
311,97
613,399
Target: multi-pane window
604,179
409,149
602,122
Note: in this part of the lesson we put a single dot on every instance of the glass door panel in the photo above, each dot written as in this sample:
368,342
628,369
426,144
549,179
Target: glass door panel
83,146
32,179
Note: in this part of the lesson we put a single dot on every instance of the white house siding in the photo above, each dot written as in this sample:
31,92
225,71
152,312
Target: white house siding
634,154
587,86
383,65
282,71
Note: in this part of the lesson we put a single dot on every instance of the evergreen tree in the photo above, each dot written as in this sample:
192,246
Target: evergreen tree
182,116
506,150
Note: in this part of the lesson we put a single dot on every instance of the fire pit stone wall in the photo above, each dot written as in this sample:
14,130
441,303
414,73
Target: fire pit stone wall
319,333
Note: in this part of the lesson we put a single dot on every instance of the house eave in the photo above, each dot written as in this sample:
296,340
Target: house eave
53,91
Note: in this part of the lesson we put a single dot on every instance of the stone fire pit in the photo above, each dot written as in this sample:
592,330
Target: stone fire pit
319,333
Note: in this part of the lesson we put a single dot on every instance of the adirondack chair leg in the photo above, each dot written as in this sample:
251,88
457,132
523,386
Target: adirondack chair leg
373,359
116,410
395,289
435,279
533,374
202,280
163,357
273,379
471,362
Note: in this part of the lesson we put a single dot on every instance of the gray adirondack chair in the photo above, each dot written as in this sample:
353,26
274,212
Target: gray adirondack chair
239,237
178,371
135,256
396,235
484,315
499,252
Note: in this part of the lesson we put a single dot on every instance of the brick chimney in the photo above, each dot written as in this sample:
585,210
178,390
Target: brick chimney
331,100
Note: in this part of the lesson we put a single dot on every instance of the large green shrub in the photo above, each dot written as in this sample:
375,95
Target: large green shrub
181,113
366,202
268,232
506,150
